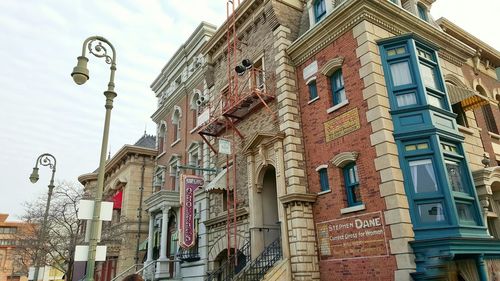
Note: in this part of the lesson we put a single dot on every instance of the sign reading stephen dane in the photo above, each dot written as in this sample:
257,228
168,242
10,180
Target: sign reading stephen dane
189,184
352,237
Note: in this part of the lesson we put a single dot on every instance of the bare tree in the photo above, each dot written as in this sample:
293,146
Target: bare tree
62,230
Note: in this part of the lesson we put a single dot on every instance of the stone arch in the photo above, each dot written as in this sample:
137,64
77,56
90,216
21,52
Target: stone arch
478,85
342,159
261,170
453,79
331,66
220,245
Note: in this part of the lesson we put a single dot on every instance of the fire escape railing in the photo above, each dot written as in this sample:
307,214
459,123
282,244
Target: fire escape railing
256,270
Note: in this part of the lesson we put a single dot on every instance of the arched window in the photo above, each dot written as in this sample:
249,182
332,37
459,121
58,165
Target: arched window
176,122
195,108
162,137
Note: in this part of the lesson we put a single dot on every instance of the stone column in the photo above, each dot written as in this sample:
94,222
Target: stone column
149,271
162,262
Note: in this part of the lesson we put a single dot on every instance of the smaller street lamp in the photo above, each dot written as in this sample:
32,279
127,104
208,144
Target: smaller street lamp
48,160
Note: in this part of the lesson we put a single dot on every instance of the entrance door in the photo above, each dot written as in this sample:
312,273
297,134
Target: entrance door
270,218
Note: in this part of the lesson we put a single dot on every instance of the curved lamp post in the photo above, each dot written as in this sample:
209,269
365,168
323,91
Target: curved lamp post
80,75
48,160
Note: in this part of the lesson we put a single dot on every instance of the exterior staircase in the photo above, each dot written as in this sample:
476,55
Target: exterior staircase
257,269
227,271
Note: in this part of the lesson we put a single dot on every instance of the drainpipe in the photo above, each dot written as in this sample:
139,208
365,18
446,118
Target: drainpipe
481,268
139,211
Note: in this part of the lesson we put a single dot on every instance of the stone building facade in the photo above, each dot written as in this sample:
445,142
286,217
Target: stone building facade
399,118
127,183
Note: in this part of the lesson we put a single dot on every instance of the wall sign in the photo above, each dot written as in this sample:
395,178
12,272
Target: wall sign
352,237
342,125
189,184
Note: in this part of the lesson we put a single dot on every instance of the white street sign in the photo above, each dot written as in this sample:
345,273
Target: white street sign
86,210
224,146
82,252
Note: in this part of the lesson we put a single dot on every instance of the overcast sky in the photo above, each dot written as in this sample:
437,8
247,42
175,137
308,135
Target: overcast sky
42,110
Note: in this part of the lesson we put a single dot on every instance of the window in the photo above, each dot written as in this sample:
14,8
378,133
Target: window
319,9
417,146
454,176
323,179
400,72
423,176
195,108
428,75
434,101
431,213
461,117
8,230
161,138
159,179
313,91
337,84
176,122
351,180
194,158
174,174
491,124
406,99
422,12
465,213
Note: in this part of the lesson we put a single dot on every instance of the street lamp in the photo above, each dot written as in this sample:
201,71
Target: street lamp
80,75
48,160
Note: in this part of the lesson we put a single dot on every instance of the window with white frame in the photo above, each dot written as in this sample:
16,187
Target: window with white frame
194,159
176,125
174,173
162,134
319,7
324,184
195,108
159,179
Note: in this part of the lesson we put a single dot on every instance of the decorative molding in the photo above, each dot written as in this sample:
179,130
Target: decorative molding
298,197
342,159
331,66
383,14
324,166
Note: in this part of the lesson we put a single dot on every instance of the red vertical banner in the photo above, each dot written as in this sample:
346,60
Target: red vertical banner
189,184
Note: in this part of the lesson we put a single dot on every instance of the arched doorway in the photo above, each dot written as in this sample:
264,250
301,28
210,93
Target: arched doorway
225,271
270,218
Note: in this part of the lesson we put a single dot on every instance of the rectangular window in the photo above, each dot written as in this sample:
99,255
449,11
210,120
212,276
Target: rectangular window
431,213
352,185
323,179
428,76
464,213
319,9
400,72
396,51
435,101
313,91
422,12
406,99
338,90
423,176
417,146
454,176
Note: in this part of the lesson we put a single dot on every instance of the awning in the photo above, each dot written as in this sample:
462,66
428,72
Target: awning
218,184
469,99
117,200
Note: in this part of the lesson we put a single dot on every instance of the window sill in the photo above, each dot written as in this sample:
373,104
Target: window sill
324,192
313,100
353,209
465,130
161,154
175,142
337,106
494,136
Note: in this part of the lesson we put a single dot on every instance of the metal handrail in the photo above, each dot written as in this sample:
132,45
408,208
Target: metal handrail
125,271
227,269
266,260
152,263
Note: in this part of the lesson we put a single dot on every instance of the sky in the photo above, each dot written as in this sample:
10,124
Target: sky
42,110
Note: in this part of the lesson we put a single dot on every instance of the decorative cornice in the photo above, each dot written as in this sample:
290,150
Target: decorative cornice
240,212
331,66
342,159
298,197
383,14
161,199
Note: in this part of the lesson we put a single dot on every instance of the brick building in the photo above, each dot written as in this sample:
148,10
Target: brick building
181,91
399,114
127,183
12,265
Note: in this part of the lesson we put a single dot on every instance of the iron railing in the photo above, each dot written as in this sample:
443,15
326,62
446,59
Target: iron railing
189,255
227,270
256,270
126,271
